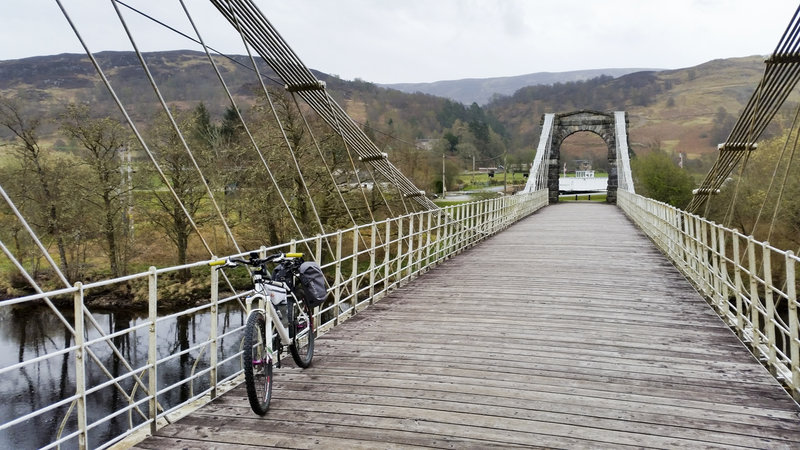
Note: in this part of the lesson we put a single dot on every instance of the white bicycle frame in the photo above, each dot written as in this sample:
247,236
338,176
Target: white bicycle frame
261,294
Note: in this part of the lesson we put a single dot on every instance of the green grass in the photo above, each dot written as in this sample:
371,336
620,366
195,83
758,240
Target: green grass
583,197
597,174
443,203
483,180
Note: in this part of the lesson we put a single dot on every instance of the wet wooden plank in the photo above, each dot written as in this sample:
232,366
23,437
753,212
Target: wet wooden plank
569,329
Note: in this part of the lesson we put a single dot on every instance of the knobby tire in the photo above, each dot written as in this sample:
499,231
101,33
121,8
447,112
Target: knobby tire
257,363
301,332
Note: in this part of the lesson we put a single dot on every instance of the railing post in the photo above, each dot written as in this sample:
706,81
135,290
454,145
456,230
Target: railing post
481,222
754,300
387,252
704,246
337,288
460,233
794,331
410,268
214,331
373,234
429,232
354,272
473,233
493,214
723,275
685,240
80,367
737,271
400,238
448,234
318,259
770,303
453,245
152,349
439,237
715,284
674,233
693,254
420,246
318,249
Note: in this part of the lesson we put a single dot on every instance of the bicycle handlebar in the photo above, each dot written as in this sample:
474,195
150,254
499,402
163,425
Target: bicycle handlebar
254,261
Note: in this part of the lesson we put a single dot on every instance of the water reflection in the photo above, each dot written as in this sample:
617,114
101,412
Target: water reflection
28,333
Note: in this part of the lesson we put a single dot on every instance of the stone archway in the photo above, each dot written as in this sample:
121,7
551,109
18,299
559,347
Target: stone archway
564,125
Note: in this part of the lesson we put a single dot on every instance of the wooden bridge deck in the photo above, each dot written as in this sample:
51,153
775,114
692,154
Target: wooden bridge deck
569,329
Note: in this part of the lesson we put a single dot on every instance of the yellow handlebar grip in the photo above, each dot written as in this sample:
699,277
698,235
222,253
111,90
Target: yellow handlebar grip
294,255
217,262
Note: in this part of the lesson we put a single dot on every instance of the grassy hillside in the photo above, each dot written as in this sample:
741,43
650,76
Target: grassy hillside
688,110
186,78
482,90
679,109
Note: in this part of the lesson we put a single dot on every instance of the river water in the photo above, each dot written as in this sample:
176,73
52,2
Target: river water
27,333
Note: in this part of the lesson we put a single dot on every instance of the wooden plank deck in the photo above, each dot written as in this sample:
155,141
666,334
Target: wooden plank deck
567,330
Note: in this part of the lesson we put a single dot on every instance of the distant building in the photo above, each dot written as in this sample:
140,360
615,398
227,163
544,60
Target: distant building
583,169
426,144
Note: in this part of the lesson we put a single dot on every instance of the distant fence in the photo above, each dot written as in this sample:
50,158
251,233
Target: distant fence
113,378
751,284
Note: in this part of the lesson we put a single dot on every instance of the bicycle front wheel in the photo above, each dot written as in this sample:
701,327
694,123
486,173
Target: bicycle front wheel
301,332
257,363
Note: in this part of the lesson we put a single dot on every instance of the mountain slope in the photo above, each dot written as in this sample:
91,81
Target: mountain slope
682,110
482,90
687,110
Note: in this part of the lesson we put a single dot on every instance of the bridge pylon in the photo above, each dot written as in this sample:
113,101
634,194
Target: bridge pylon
611,127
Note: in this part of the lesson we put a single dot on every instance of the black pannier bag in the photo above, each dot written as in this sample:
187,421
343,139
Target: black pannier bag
313,281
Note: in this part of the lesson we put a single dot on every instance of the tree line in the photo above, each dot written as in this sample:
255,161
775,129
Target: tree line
105,206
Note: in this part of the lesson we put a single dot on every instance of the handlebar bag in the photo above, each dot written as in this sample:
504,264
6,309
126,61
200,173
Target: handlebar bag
313,281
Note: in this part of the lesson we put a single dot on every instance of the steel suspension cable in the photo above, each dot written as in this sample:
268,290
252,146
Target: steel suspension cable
274,50
781,74
141,140
176,31
783,184
775,173
253,141
256,147
241,118
328,170
338,128
18,265
732,204
63,279
133,126
324,161
174,124
376,185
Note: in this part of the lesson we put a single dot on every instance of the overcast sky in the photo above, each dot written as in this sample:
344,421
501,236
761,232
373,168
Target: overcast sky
386,41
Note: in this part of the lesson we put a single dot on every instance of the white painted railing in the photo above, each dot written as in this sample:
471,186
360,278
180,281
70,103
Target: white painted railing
750,284
158,367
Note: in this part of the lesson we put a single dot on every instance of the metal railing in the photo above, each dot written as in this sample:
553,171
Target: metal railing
751,285
113,378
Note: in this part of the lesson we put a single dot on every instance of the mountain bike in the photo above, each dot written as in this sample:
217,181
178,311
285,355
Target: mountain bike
278,303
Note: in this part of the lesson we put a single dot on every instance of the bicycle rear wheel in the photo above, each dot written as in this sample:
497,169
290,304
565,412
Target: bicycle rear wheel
301,332
257,363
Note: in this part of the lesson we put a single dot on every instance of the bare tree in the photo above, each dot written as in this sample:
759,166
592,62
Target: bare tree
43,177
101,141
167,213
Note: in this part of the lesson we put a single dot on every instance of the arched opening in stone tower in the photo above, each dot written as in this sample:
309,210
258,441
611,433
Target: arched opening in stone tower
583,166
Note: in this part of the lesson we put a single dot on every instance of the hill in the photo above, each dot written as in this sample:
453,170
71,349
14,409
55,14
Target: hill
185,78
684,110
483,90
688,110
